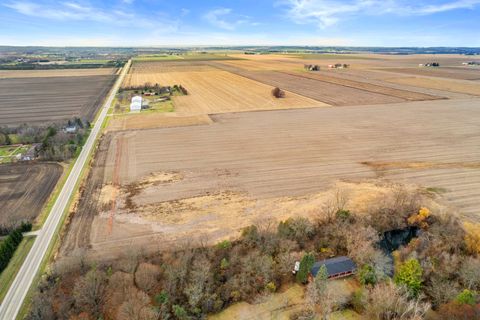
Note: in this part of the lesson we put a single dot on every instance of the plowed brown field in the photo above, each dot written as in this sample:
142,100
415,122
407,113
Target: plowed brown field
330,93
56,73
24,190
43,100
403,94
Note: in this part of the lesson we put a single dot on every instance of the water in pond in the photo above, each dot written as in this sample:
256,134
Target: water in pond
394,239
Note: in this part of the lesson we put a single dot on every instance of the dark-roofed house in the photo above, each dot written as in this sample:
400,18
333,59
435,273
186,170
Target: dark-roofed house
336,267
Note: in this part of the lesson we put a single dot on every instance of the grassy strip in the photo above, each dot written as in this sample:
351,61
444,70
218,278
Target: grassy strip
8,275
40,220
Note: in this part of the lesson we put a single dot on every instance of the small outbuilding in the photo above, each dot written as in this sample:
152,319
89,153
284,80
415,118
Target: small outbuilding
337,267
136,104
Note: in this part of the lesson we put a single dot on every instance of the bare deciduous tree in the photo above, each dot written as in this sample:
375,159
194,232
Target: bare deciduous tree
146,276
199,283
386,301
137,307
89,291
470,273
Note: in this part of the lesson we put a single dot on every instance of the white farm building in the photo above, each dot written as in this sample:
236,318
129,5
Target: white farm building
136,104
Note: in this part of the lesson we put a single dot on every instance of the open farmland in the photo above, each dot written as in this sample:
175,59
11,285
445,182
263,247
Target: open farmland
214,91
56,73
41,100
330,93
24,190
156,187
461,86
366,86
440,72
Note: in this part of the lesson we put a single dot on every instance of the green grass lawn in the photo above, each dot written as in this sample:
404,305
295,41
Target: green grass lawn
86,61
7,150
8,275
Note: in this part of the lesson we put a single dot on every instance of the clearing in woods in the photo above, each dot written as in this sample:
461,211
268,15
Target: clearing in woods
212,180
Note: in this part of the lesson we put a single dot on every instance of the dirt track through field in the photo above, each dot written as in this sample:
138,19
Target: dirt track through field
263,165
24,188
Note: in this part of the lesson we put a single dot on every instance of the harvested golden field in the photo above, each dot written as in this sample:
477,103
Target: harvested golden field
56,73
155,120
468,87
221,91
207,182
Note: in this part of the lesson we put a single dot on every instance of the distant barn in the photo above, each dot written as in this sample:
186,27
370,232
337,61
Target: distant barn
337,267
136,104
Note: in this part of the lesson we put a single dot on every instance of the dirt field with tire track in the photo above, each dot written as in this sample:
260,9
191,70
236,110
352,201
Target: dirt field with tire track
211,180
24,188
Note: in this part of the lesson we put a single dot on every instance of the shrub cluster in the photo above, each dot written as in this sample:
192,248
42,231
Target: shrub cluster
10,244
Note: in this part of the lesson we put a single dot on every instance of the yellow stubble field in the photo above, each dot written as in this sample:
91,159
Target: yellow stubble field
215,91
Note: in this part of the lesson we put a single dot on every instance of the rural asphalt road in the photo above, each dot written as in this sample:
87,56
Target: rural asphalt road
18,290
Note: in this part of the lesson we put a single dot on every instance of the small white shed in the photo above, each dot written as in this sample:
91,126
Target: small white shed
136,104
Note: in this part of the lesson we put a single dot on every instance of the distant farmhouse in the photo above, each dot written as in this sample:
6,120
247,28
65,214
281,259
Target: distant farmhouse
31,153
337,267
429,64
136,104
311,67
338,66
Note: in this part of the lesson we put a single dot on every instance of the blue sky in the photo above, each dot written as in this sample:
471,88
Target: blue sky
240,22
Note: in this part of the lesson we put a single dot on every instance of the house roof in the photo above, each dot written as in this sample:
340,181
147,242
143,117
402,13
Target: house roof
334,266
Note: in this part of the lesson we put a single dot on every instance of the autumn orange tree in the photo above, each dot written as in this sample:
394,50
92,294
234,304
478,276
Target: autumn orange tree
472,237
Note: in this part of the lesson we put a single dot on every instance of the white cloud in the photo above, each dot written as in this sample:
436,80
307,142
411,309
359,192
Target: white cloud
326,13
68,11
224,18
